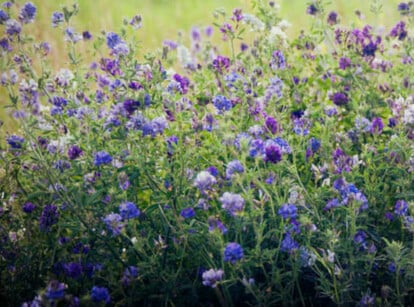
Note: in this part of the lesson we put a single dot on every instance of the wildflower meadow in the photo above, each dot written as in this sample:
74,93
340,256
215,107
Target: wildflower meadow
239,166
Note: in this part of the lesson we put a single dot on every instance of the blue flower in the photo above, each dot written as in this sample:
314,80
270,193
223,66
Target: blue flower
73,269
100,294
288,211
28,207
128,210
3,17
401,208
289,244
15,141
114,223
102,157
187,213
49,217
233,252
222,104
272,154
112,39
27,13
233,167
57,18
360,237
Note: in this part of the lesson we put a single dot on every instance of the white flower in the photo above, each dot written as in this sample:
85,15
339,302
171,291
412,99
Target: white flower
255,23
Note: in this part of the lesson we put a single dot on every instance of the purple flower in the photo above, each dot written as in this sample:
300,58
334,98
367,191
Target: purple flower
13,27
28,207
101,157
340,99
401,208
367,300
74,152
49,217
360,237
3,17
27,13
55,290
100,294
399,31
278,60
86,35
113,222
184,83
232,203
15,141
344,63
128,210
221,63
288,211
233,252
136,22
129,273
112,39
273,153
204,181
341,161
404,8
57,18
215,223
272,125
188,213
211,277
222,104
73,269
234,167
312,9
289,244
376,126
332,18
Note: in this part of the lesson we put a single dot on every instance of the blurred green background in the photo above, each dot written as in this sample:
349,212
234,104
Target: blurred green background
163,19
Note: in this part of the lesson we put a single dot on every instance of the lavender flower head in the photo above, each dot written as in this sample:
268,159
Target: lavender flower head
74,152
288,211
340,99
222,104
100,294
15,141
101,157
113,222
234,167
27,13
28,207
13,27
233,252
401,208
188,213
232,203
57,18
204,181
212,277
129,210
49,217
